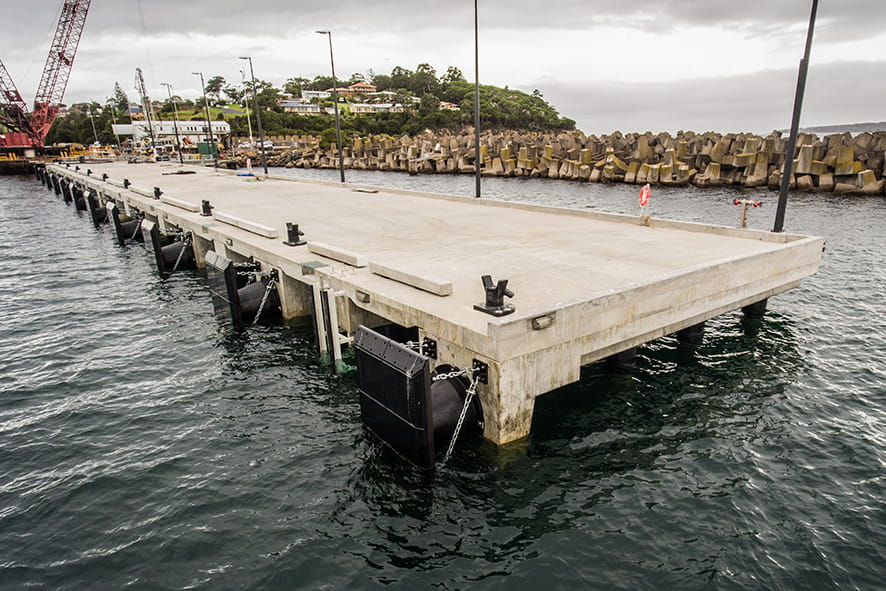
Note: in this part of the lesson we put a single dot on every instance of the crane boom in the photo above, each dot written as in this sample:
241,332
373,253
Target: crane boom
147,106
13,109
58,68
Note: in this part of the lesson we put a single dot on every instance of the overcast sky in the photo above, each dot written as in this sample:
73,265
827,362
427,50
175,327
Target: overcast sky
661,65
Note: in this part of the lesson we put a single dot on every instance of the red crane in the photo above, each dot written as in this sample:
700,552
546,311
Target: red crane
14,112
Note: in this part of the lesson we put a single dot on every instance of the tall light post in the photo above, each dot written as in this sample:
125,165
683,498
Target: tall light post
257,109
110,103
246,100
208,122
476,102
795,124
91,120
341,156
178,144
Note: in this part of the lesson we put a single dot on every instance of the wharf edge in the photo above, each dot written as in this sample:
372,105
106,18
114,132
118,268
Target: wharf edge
587,285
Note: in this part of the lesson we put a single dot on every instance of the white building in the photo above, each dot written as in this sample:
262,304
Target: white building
194,131
363,108
310,95
301,108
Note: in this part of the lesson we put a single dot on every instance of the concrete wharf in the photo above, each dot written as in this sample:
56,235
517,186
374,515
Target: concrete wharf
586,285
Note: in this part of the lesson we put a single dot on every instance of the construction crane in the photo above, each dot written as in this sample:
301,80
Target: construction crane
147,107
14,113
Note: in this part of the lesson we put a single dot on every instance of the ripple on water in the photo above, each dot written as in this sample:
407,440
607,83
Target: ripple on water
142,445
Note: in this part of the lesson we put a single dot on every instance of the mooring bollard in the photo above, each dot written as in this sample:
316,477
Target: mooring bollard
157,192
293,235
126,183
206,209
495,296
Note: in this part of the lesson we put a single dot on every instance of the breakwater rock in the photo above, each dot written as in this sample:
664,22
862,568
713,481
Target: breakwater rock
840,163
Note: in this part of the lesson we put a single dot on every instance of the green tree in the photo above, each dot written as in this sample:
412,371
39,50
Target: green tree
121,101
171,104
429,104
321,83
424,80
382,82
234,94
400,78
268,97
295,85
214,87
453,74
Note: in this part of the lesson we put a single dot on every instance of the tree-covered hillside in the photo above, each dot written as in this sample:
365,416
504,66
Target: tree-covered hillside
420,100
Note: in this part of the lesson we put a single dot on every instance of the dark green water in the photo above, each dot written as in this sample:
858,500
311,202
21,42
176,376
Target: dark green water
142,446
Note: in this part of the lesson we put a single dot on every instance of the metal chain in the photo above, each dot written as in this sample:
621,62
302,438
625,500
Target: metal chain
452,374
472,391
185,243
417,346
138,227
264,300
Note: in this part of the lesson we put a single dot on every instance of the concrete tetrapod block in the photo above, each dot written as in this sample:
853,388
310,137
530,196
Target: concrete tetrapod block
805,183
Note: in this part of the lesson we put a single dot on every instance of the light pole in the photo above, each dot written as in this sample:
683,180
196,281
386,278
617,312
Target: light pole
476,102
246,100
110,103
341,156
208,122
795,124
257,109
91,120
178,144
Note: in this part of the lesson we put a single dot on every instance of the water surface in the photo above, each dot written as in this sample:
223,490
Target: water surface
144,446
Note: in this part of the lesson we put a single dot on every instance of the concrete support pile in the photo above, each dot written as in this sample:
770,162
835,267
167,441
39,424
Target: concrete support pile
839,163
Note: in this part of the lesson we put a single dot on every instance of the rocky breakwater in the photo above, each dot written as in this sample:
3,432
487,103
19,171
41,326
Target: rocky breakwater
839,163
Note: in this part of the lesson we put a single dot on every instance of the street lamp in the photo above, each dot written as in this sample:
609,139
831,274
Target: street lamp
174,121
91,120
341,157
476,102
795,125
110,103
257,109
208,122
246,101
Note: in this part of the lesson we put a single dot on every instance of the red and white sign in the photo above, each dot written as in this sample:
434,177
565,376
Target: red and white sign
644,195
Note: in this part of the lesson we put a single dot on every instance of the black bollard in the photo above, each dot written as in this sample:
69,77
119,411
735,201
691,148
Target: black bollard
157,192
293,235
495,295
126,183
206,208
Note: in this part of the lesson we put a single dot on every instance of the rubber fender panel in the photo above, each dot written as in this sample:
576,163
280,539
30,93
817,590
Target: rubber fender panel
222,276
395,390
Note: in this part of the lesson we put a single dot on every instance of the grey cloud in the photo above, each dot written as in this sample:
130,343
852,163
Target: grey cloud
836,93
849,18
